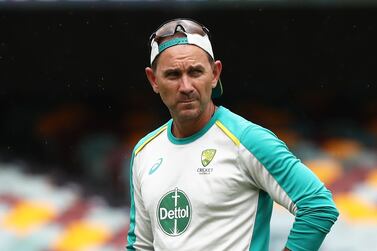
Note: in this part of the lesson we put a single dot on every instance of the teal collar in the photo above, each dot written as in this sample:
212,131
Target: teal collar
195,136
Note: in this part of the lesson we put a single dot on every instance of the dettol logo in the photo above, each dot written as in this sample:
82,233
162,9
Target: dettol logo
174,212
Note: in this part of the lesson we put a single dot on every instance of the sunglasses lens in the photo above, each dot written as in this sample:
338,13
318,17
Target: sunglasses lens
171,27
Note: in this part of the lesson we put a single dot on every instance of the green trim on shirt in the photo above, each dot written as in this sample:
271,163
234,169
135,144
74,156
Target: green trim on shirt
261,231
131,237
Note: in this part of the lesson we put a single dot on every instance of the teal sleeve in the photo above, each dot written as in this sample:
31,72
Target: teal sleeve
316,211
131,237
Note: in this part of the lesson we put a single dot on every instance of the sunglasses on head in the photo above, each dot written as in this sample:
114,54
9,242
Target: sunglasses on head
171,27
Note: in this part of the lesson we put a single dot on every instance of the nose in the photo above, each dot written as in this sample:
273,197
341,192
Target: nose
186,86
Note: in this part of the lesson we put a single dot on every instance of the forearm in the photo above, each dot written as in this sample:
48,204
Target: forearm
314,219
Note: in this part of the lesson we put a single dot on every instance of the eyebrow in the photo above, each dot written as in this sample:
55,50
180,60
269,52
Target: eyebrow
178,70
196,67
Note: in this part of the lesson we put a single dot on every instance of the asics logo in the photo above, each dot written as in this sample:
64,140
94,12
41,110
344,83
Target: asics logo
155,166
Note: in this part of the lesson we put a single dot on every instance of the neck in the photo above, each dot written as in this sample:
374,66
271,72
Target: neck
183,129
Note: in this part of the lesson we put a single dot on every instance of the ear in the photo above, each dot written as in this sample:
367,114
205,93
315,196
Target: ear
152,79
216,72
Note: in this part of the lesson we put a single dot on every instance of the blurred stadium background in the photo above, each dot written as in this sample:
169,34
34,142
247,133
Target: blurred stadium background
74,100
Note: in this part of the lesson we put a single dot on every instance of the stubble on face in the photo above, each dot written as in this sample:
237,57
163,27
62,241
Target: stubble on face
184,75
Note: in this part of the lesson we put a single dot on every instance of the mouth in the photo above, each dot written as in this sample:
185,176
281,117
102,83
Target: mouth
186,101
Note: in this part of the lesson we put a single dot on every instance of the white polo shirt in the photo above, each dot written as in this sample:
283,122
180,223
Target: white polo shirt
214,190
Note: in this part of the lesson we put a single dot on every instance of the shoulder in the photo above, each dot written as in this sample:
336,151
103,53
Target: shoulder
255,138
242,128
235,123
148,138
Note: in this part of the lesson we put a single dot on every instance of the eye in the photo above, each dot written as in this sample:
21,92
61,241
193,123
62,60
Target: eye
173,74
196,72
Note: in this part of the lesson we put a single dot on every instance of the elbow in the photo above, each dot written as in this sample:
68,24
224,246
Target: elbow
319,211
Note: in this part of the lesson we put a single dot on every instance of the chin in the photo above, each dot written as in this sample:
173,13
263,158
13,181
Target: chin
188,113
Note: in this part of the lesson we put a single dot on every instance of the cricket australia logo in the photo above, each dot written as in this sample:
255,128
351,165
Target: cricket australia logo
174,212
207,157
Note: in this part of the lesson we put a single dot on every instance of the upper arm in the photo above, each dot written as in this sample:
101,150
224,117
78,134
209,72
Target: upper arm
290,183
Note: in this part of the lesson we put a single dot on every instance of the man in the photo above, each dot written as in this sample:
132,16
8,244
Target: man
206,180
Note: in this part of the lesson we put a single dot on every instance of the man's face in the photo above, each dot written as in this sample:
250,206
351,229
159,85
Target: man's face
184,78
